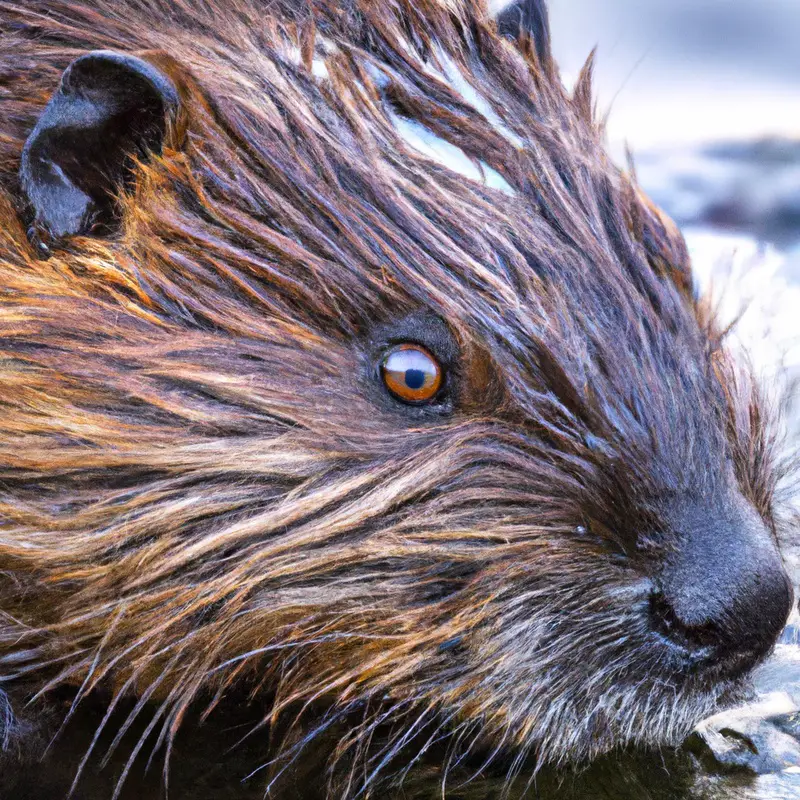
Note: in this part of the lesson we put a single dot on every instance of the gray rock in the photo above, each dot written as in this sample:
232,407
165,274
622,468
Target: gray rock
751,737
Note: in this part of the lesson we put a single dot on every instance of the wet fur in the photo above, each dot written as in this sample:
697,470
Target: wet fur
202,484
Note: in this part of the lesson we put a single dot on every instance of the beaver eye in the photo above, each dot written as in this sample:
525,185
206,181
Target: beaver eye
411,373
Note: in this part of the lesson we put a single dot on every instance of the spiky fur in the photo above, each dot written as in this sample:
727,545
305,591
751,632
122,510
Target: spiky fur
201,484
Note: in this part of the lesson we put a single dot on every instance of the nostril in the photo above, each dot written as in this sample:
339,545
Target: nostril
696,638
734,636
722,594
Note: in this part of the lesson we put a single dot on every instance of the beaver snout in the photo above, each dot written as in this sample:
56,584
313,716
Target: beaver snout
723,596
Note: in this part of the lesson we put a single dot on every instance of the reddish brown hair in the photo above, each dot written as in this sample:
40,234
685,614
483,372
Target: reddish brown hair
202,482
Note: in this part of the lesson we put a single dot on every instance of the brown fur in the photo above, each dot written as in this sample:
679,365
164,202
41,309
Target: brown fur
201,485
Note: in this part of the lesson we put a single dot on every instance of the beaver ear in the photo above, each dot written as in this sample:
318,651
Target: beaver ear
109,108
528,16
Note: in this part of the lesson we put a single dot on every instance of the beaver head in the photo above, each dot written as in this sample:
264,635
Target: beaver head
341,363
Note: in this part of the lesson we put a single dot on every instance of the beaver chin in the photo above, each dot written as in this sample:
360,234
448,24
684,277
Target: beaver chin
664,695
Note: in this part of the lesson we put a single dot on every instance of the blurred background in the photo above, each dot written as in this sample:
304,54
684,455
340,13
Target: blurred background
684,70
706,94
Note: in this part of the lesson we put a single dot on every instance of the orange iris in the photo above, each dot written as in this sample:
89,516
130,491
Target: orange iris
411,373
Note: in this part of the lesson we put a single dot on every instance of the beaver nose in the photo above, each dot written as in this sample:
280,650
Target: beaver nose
723,594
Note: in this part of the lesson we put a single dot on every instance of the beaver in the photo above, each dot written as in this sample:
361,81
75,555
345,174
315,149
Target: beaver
342,368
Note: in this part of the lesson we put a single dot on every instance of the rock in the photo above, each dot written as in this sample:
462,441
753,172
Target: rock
758,737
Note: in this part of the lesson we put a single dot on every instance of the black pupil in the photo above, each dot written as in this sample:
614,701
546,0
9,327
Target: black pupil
415,378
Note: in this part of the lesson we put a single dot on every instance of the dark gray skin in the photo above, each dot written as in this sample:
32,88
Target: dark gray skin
110,104
736,608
